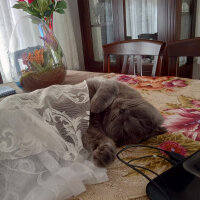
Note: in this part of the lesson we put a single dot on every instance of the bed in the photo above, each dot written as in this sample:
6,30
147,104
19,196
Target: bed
178,100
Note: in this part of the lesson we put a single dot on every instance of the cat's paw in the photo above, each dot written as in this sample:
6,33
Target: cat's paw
104,154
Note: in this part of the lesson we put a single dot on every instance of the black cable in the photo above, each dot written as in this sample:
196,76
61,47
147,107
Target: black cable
168,160
143,174
175,158
144,168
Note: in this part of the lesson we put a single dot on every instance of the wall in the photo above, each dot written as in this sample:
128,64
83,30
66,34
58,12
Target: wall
73,7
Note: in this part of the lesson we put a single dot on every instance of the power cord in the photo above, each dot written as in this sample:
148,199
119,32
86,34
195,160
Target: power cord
174,159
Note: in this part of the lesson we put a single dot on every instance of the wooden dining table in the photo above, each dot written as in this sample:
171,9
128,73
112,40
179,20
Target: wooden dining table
178,100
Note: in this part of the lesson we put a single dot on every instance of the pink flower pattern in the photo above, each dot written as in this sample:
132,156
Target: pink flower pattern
175,83
127,78
183,117
152,83
183,120
196,103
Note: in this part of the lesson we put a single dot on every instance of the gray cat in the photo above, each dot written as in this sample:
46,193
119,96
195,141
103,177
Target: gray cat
119,116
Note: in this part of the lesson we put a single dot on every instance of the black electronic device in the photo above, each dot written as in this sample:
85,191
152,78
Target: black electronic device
181,182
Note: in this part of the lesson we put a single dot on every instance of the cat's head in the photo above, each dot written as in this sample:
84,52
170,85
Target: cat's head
102,93
128,123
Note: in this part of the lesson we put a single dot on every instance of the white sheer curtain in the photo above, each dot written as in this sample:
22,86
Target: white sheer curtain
141,17
63,30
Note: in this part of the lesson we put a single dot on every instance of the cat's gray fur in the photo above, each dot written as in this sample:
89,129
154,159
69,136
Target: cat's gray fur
119,116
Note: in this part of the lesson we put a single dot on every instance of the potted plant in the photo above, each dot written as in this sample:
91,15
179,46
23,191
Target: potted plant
42,9
41,65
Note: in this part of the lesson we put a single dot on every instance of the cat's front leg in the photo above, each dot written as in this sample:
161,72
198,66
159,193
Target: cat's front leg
102,94
104,154
102,148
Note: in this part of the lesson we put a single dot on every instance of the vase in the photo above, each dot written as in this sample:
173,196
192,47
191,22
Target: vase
36,58
49,21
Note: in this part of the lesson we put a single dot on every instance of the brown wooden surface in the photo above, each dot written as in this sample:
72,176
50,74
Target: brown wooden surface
84,15
132,47
72,77
175,49
169,16
86,32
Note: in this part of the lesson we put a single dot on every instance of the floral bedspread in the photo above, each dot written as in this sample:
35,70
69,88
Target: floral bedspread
178,100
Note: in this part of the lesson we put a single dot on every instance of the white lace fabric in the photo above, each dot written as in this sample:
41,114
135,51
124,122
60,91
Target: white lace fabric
41,151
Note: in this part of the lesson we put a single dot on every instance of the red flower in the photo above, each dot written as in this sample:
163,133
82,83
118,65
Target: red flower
175,83
30,1
184,120
172,146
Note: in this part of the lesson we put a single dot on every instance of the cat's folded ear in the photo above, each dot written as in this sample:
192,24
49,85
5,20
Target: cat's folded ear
105,92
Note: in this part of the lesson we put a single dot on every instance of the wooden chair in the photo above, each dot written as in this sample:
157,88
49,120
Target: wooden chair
176,49
131,49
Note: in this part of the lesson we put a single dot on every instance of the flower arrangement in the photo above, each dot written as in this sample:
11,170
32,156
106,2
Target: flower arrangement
41,59
42,63
42,8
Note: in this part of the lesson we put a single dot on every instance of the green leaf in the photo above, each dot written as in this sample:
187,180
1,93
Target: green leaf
17,6
50,63
61,5
51,7
51,2
33,12
60,51
47,13
61,11
43,3
43,6
37,66
21,5
34,4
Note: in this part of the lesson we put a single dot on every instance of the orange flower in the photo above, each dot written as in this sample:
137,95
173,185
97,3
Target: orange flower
150,85
152,79
30,57
36,56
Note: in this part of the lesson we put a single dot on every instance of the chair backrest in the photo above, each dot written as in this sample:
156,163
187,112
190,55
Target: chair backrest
134,52
175,49
148,36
